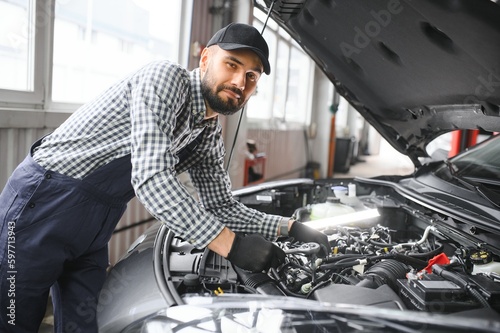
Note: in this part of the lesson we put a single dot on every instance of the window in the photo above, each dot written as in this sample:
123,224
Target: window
300,78
285,94
98,42
17,45
80,47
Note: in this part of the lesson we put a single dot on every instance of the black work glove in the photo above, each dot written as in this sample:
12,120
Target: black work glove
255,253
303,233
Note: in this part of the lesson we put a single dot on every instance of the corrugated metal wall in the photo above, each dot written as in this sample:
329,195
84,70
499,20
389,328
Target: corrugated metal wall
14,145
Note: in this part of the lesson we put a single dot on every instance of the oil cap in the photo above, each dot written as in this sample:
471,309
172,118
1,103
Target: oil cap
480,257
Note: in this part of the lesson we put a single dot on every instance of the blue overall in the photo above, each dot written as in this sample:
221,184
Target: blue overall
54,232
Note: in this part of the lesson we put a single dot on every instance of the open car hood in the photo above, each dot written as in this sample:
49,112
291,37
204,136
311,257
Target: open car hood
413,69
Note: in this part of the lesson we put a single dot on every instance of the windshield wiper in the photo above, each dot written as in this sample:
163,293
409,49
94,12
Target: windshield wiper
483,191
464,182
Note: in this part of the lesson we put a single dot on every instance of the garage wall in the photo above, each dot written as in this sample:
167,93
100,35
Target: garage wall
285,152
14,145
133,223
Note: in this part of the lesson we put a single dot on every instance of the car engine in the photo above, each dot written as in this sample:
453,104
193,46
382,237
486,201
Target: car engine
407,258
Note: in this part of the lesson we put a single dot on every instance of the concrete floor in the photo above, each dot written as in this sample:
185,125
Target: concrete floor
387,162
47,325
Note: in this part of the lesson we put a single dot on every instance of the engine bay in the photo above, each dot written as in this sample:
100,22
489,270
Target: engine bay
406,258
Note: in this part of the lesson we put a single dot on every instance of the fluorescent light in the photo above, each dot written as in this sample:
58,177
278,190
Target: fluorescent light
343,219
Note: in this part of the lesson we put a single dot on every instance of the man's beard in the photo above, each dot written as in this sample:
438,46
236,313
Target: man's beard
215,102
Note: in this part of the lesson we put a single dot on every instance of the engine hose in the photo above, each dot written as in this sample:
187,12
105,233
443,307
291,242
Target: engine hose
283,286
346,262
428,255
259,281
342,264
409,260
299,212
342,257
305,269
316,287
461,282
382,245
288,292
323,277
340,276
275,274
351,260
384,272
477,295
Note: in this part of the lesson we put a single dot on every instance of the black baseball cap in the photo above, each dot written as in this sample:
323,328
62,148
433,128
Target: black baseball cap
242,36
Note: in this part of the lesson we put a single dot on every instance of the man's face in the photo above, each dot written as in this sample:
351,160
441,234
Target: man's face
229,78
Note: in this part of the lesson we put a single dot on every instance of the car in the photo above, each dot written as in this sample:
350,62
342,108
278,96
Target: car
410,253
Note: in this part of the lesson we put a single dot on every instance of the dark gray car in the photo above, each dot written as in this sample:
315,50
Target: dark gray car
418,253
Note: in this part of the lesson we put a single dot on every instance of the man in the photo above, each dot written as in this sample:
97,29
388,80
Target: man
63,201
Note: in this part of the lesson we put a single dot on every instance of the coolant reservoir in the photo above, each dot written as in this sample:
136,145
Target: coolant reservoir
347,196
340,192
332,207
483,262
352,200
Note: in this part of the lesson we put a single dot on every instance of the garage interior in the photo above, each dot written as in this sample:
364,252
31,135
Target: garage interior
291,148
294,139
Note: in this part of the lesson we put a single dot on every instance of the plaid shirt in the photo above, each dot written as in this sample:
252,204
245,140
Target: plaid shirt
152,115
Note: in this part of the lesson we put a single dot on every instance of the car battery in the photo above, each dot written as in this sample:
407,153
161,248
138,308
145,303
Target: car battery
434,294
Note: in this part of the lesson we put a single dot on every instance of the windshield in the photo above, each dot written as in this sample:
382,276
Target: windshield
481,162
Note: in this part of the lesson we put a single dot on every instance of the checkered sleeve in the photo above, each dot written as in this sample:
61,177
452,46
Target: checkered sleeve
214,189
157,97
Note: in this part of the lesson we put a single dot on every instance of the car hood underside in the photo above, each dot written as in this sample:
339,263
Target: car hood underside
413,69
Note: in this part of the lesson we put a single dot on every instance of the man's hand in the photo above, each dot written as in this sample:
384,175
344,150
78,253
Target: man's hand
254,253
303,233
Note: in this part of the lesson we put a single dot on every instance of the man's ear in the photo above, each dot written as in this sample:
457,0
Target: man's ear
205,55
